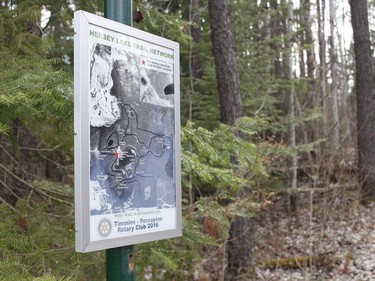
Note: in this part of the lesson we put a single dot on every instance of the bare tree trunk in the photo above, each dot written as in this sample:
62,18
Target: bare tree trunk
320,6
345,113
309,40
277,28
195,66
267,26
292,128
239,245
194,69
334,94
228,82
365,98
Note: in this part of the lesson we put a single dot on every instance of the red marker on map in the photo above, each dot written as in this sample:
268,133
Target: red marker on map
117,153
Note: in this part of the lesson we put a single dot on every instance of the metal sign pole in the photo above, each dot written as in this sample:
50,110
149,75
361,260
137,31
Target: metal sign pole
119,10
120,262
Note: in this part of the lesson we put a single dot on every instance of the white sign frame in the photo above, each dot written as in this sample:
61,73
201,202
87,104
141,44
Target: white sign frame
103,225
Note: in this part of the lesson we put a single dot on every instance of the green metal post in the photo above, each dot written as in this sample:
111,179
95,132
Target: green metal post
119,10
120,262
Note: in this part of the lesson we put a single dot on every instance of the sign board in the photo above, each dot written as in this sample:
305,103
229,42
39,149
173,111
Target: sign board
127,135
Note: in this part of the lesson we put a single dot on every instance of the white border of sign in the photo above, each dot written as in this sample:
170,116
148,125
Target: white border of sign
85,238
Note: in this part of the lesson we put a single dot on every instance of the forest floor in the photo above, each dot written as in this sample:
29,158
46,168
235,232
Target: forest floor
331,232
330,237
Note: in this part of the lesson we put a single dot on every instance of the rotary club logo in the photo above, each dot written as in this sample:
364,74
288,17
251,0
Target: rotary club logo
104,227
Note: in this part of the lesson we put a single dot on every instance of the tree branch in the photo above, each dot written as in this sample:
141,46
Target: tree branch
33,188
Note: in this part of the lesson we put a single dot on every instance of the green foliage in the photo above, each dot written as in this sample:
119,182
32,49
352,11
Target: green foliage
223,164
200,104
37,241
162,23
31,90
173,258
211,158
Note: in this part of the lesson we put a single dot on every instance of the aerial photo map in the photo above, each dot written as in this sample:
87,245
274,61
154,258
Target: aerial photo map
131,131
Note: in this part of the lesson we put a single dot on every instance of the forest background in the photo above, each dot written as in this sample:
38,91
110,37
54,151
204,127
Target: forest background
285,123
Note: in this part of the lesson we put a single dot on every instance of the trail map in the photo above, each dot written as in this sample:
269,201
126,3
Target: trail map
131,131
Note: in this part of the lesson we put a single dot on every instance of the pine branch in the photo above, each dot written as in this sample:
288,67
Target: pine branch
33,188
7,204
16,162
